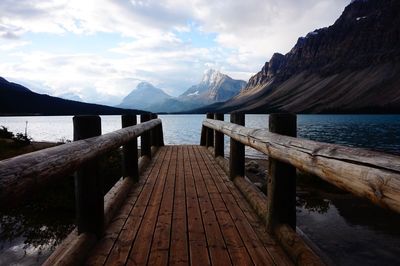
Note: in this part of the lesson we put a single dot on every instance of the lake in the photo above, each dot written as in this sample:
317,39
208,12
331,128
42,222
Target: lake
377,132
348,230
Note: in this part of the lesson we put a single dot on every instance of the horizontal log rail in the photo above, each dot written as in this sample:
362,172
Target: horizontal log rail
365,173
25,174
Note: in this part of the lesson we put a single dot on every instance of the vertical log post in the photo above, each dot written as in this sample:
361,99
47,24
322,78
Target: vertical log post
130,151
236,158
145,138
203,136
88,182
154,132
282,178
218,138
210,133
160,135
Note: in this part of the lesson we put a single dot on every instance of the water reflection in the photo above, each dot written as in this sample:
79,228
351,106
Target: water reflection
30,232
347,228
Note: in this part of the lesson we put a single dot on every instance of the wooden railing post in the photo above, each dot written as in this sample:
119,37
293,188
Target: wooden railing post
145,138
130,166
154,132
210,133
160,135
236,158
282,178
218,138
203,137
88,182
157,136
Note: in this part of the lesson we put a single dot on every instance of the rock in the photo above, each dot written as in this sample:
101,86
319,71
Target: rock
258,184
350,66
252,167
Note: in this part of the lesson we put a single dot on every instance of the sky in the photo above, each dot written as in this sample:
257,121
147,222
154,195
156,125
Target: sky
100,50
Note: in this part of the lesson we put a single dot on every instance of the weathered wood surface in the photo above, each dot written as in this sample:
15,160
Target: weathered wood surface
294,245
130,150
365,173
281,177
27,173
89,200
237,153
219,138
74,248
186,211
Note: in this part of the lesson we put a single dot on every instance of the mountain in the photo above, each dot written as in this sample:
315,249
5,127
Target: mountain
16,99
144,96
214,87
352,66
70,96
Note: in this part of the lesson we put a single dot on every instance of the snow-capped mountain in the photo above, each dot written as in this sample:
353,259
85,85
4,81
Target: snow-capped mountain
144,96
214,87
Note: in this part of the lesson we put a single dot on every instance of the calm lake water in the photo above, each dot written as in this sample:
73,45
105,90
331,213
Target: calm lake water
348,230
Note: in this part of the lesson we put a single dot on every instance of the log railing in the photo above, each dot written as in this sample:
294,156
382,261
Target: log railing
369,174
24,175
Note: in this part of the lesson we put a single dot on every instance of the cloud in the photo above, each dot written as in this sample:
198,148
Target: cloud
12,45
164,42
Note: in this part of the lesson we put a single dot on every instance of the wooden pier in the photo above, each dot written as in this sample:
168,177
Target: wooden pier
188,204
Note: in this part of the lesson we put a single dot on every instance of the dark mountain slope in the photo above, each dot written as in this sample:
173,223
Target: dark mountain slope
18,100
352,66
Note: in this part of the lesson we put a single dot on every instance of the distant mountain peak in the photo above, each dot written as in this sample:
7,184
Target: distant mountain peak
144,96
145,85
214,87
212,76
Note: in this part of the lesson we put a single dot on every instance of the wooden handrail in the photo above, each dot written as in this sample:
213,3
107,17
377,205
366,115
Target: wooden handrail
24,174
365,173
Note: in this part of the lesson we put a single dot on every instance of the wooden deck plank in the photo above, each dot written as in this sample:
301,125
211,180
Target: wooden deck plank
185,211
234,243
122,247
253,244
277,254
198,246
216,243
141,247
103,248
161,239
179,252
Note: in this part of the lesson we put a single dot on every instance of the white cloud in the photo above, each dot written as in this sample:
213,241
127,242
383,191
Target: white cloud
247,34
12,45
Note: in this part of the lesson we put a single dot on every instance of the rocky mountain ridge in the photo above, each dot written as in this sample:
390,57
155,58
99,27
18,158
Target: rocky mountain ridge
361,47
214,87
